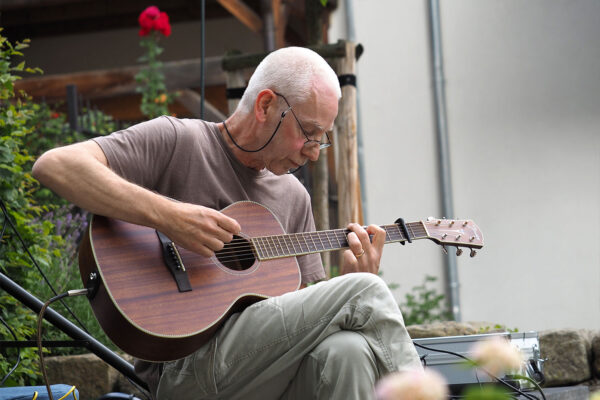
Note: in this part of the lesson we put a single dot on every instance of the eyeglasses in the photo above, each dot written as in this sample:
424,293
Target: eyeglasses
309,142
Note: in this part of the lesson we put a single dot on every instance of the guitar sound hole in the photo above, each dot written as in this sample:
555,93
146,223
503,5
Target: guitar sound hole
237,254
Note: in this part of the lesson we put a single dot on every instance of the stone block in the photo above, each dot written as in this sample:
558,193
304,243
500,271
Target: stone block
92,376
439,329
566,354
596,354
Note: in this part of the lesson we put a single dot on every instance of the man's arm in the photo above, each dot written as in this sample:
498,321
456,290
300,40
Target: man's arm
80,173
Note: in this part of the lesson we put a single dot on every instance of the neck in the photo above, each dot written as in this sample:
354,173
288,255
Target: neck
231,130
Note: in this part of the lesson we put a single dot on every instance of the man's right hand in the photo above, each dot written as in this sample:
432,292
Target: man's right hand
199,229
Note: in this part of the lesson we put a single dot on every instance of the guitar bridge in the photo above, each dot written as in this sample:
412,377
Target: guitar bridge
174,263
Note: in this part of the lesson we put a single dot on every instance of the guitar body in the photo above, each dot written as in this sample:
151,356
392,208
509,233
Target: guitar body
138,304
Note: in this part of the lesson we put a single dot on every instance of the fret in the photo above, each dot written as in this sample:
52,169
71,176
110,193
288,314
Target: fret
261,244
268,248
299,244
388,238
340,235
320,241
280,251
329,246
306,248
314,247
328,240
287,248
256,243
409,228
291,242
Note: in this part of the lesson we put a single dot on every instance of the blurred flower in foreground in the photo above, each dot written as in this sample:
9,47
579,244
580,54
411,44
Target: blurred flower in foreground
412,385
497,355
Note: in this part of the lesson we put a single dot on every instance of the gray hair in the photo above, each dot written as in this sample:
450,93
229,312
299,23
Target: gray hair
290,71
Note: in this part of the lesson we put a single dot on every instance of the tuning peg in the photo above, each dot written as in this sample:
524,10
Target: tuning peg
473,253
444,250
459,251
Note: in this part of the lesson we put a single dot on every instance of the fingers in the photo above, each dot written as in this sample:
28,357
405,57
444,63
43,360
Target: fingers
366,246
201,229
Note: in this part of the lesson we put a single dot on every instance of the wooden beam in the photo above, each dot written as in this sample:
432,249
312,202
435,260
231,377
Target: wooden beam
191,101
280,21
245,14
120,81
235,62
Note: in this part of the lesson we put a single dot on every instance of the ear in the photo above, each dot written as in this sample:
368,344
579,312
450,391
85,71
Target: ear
265,101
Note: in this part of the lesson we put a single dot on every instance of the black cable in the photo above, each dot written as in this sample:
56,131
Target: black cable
39,340
40,320
18,354
508,385
7,219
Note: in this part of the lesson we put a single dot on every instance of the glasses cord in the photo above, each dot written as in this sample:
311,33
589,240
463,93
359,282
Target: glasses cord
251,151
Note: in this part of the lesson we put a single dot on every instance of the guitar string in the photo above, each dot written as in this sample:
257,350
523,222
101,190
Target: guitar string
275,246
275,253
242,246
249,249
276,240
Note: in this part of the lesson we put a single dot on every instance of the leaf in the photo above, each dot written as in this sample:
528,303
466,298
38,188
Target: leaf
323,3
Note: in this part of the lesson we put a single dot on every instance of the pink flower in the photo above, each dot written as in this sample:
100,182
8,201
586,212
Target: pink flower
154,19
412,385
497,355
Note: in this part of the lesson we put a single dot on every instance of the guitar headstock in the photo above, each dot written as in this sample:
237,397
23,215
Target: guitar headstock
454,232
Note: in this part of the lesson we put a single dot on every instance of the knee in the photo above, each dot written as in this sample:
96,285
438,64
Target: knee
364,280
346,348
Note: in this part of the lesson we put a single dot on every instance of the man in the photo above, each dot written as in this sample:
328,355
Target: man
331,340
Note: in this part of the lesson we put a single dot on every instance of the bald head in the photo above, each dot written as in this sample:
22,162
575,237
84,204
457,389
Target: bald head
291,71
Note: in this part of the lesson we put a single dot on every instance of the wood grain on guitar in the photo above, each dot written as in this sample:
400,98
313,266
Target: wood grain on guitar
140,308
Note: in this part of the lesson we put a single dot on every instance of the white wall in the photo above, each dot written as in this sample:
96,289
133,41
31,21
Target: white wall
523,98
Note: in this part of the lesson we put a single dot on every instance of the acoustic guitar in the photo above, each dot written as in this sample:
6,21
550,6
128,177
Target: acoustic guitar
159,302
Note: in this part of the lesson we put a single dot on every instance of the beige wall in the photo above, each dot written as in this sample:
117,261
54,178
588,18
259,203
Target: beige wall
523,101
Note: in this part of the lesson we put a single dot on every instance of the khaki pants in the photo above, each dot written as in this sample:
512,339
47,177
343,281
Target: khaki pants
332,340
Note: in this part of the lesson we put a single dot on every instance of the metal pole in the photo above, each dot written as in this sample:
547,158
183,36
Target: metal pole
202,55
73,331
443,150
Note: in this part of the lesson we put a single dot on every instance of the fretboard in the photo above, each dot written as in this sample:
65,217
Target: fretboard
298,244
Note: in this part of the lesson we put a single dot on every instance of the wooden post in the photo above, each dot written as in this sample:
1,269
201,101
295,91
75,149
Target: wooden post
234,79
319,172
346,144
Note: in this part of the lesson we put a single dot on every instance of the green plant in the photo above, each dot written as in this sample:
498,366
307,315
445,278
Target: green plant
48,225
150,79
424,304
16,191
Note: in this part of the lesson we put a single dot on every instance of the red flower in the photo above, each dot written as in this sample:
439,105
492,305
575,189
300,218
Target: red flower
54,115
162,24
154,19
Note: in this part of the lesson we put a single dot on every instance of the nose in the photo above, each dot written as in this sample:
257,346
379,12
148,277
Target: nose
311,151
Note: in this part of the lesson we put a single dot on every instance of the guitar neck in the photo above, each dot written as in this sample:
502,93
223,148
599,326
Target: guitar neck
298,244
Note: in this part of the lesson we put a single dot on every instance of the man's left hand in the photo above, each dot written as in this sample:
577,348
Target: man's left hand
364,255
